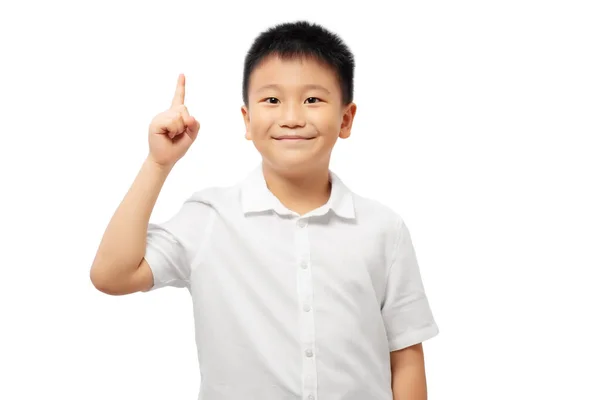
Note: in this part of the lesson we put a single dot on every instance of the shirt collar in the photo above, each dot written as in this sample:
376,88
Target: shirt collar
256,197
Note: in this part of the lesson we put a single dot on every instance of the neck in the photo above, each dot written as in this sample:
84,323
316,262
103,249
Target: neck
300,193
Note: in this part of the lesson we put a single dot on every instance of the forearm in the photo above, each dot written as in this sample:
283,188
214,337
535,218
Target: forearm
409,384
408,374
123,243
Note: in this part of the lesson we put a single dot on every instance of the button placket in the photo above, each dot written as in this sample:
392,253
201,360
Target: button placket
305,296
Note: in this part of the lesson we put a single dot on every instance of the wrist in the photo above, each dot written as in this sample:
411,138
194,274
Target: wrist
156,167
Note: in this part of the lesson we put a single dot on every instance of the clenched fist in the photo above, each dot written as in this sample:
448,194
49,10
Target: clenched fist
172,132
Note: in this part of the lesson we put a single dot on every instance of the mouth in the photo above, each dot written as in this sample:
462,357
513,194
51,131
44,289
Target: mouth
293,137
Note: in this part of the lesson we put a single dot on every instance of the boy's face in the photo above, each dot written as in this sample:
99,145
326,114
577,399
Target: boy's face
295,113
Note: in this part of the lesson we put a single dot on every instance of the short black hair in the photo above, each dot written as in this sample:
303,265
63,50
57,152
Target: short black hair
303,39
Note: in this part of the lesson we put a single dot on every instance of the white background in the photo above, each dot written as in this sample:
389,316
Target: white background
478,121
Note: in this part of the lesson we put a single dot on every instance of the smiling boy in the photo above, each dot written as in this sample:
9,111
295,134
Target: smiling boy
301,288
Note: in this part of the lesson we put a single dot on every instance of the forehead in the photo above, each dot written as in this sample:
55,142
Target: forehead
292,73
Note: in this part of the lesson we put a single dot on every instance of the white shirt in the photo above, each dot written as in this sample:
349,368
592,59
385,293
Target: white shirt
293,307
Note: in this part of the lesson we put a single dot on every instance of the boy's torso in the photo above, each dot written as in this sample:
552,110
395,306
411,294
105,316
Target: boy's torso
288,306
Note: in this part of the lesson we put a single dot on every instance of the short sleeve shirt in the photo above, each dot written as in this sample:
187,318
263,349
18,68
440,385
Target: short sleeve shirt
290,306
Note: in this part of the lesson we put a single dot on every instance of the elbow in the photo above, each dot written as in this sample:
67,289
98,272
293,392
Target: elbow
118,281
99,280
102,280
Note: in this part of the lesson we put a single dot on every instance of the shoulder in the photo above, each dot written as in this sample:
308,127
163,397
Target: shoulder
378,214
217,198
381,227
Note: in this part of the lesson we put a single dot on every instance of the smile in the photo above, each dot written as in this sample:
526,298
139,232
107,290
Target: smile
292,138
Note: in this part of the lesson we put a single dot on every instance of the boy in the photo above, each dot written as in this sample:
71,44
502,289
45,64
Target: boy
301,289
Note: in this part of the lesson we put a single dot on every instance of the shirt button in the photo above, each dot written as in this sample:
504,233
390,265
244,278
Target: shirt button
307,307
309,353
302,223
311,397
304,265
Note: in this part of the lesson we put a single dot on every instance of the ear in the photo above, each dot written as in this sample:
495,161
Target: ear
246,115
347,119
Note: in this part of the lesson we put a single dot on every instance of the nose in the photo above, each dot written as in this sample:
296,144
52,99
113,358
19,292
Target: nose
292,116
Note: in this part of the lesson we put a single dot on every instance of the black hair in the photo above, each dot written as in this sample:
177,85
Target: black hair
303,39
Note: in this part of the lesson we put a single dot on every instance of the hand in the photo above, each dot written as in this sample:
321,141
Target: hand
172,132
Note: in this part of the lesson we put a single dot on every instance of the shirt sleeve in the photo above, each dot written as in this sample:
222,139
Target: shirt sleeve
172,246
406,312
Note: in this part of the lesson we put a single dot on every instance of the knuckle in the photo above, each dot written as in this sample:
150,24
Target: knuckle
183,111
167,116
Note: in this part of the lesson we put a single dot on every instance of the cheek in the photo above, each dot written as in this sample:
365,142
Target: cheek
260,123
328,123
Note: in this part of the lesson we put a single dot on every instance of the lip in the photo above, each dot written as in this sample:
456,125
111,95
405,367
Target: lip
293,137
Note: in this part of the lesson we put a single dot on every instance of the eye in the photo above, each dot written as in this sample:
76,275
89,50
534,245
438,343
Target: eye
312,100
271,100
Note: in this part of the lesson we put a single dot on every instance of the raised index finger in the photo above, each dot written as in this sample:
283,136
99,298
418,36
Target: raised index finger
179,97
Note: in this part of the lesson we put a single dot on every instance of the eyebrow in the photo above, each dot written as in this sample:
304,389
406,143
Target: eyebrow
310,86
